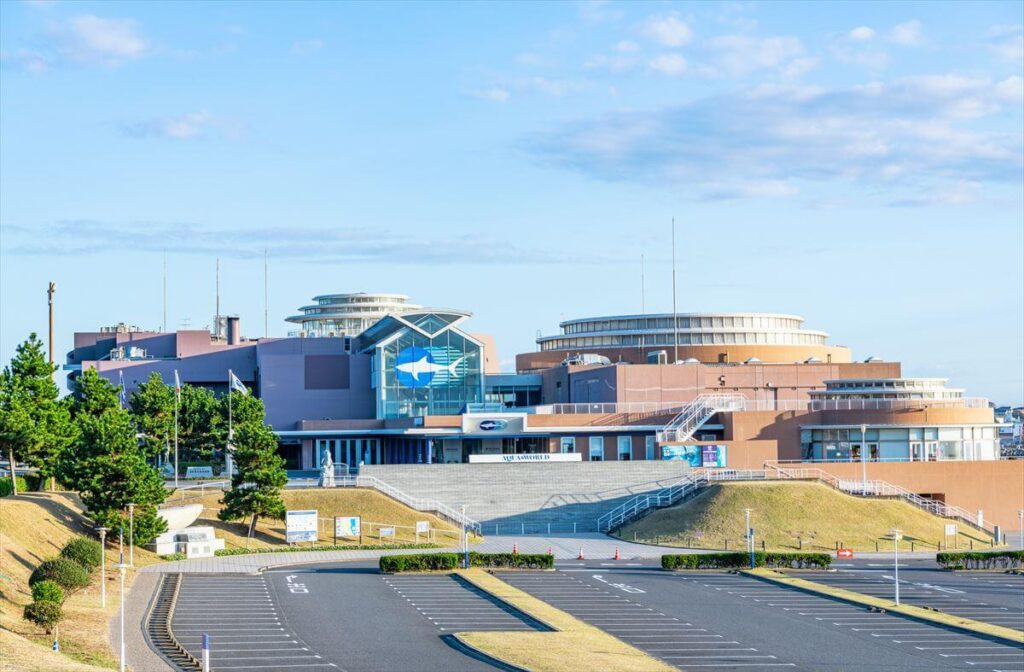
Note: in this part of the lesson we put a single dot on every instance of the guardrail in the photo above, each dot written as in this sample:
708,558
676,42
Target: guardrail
170,633
640,504
878,488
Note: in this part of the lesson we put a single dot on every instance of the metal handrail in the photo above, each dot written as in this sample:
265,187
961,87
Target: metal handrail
878,488
170,632
638,505
696,413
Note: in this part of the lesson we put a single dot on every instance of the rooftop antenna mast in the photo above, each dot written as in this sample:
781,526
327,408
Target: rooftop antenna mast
163,327
216,317
675,315
266,295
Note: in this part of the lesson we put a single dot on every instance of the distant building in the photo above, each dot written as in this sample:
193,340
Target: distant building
348,314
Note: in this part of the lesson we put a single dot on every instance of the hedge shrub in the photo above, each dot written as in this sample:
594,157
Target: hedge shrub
85,551
979,560
45,614
5,486
67,573
47,591
740,560
425,562
301,549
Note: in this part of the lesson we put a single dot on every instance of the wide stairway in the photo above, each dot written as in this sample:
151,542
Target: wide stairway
532,498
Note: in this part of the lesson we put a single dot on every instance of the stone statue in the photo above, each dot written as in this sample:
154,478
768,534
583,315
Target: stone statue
327,470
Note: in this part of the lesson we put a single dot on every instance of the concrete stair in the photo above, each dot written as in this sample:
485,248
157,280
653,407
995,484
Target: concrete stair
532,498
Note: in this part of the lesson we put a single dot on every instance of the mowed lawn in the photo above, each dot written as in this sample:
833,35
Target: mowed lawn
373,508
783,514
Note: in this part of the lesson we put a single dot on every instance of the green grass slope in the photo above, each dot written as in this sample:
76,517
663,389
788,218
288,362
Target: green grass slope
786,513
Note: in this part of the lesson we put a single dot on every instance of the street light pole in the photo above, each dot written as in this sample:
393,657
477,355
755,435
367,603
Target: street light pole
1020,517
896,536
465,536
863,458
131,534
103,565
122,568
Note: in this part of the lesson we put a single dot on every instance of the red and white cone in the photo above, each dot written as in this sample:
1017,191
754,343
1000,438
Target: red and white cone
580,556
515,549
616,552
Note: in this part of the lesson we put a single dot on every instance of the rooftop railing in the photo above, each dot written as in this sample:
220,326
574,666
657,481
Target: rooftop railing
800,405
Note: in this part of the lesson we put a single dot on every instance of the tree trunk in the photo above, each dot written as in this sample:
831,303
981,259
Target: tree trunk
14,479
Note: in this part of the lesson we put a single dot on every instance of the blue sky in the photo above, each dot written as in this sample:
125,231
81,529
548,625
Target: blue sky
858,164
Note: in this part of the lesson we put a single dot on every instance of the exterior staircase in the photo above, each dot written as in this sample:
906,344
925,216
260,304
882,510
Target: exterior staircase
682,427
158,627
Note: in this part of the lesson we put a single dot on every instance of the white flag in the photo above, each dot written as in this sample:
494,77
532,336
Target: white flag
121,393
235,384
177,383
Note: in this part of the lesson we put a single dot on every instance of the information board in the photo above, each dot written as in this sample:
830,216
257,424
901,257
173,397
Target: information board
348,526
300,526
422,526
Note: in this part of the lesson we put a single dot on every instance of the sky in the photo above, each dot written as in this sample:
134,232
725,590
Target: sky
859,164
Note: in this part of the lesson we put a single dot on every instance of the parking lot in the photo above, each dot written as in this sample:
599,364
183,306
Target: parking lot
674,615
618,608
989,597
454,605
245,628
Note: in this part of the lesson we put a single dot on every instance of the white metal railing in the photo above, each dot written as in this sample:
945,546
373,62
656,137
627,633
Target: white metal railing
696,413
417,503
743,404
877,488
606,408
641,504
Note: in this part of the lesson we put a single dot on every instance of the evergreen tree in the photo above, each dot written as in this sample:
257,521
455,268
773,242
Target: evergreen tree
201,428
256,488
109,468
35,424
153,407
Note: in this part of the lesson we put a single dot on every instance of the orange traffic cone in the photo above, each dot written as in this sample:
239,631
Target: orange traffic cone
580,556
616,552
515,549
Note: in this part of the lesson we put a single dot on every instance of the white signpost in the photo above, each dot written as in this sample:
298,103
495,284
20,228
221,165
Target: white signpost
300,526
424,527
950,531
199,472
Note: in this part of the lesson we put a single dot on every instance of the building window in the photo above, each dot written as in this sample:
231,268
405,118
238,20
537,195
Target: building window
596,448
625,448
568,444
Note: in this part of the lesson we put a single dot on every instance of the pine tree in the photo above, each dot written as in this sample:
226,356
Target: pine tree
153,407
109,468
35,424
201,429
256,488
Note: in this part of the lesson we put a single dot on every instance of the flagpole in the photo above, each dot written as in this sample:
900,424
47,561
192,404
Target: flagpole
227,449
177,398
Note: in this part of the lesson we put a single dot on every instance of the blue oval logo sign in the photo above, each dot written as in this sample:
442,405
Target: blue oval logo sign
491,425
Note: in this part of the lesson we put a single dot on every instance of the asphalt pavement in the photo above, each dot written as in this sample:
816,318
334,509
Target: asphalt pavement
727,621
991,597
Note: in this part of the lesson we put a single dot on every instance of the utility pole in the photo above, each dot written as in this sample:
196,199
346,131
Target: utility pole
675,315
49,299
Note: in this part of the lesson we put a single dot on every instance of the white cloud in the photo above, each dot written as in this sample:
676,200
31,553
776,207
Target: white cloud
626,47
551,87
742,54
598,11
530,58
902,139
1011,90
1008,42
494,94
668,64
907,34
308,46
798,67
108,40
669,31
190,126
862,34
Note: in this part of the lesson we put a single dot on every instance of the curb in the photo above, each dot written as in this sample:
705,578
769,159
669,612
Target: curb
916,613
456,641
